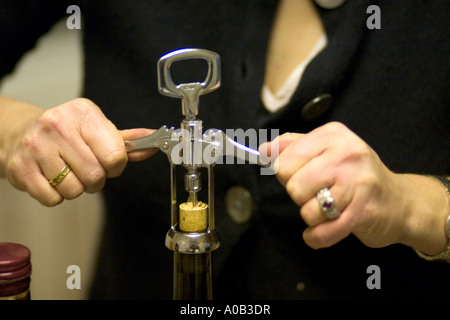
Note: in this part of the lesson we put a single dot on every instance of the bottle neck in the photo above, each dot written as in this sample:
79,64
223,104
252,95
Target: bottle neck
20,296
192,276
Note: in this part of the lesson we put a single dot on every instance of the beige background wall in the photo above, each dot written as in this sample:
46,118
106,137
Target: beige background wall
66,234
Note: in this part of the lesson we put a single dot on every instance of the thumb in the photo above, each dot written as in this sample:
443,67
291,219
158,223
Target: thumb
138,155
286,139
278,144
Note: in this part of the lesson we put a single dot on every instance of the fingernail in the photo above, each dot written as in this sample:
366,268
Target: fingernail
129,145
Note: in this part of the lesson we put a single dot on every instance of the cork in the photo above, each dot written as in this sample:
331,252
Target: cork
193,218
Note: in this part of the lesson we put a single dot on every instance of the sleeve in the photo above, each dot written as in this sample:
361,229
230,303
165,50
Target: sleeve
22,22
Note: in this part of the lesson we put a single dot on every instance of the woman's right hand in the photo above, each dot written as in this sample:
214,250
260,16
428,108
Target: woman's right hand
75,133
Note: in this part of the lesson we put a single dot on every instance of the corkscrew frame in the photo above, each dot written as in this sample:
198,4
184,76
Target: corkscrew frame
191,129
198,151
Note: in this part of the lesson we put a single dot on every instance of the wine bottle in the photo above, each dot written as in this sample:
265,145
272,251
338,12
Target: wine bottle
192,276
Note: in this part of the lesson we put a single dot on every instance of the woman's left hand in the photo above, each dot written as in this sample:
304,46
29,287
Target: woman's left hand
374,203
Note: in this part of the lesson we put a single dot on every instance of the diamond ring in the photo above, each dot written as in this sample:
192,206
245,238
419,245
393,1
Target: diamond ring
327,204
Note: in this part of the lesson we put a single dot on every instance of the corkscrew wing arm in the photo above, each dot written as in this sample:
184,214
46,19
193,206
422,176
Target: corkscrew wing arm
216,140
157,139
230,147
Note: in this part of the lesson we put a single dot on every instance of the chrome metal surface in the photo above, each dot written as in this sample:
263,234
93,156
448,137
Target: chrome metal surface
188,92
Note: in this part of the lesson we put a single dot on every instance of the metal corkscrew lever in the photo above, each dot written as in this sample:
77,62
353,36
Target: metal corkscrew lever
192,234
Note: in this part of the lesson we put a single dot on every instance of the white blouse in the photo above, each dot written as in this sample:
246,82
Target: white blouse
274,102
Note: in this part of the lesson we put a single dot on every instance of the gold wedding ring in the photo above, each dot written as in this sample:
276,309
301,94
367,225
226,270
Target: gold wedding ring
60,175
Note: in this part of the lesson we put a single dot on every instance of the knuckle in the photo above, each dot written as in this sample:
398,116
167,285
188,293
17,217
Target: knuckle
330,131
14,165
294,192
359,155
16,172
95,179
284,172
318,240
50,200
51,118
49,123
291,188
82,104
31,142
44,194
306,214
335,127
360,151
72,195
369,180
287,136
115,162
282,176
74,192
86,110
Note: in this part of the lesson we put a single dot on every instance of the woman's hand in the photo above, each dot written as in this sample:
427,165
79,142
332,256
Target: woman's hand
76,133
377,206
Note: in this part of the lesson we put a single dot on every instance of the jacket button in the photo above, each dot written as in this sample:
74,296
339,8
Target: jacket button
300,287
329,4
239,204
316,107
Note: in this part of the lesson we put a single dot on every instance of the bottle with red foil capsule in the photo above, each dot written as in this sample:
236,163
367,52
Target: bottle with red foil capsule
15,271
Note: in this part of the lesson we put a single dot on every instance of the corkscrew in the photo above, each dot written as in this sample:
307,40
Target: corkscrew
192,235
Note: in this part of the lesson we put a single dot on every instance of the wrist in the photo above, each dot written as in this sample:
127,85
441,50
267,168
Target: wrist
445,254
426,215
15,119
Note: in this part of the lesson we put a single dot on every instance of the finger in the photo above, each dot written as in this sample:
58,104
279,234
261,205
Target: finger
38,187
329,232
305,147
308,180
25,174
312,213
107,144
70,187
138,155
297,153
84,163
278,144
79,129
287,138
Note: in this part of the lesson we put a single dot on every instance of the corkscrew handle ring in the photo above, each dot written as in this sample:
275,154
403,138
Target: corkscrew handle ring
188,92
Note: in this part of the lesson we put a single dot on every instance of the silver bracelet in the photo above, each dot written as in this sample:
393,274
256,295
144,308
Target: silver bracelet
445,255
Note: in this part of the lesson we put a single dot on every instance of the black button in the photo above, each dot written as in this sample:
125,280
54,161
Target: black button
316,107
239,204
300,287
329,4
